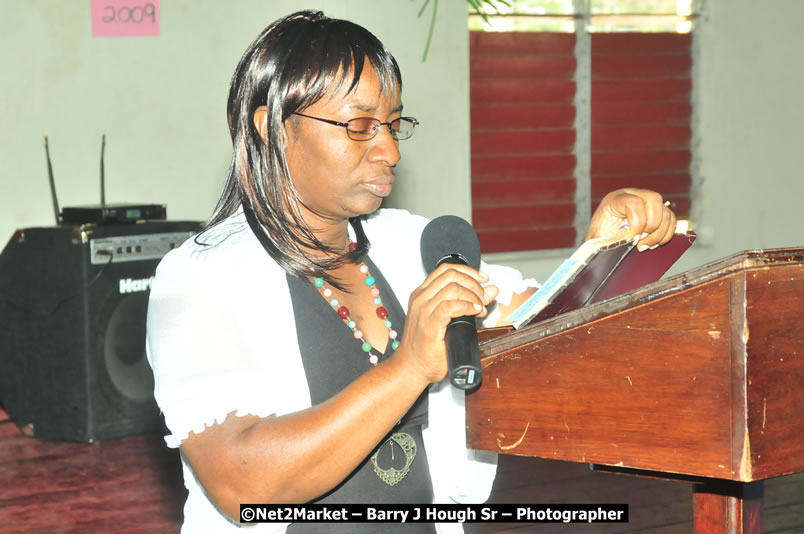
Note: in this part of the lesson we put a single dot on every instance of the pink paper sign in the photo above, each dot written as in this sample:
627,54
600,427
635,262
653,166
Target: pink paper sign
125,18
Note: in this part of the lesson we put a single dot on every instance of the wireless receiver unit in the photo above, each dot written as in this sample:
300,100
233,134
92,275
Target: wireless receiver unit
103,213
113,213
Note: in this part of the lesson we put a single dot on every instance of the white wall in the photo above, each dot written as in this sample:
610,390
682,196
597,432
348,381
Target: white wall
750,93
161,101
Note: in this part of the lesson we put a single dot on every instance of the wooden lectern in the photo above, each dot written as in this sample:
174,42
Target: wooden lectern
699,377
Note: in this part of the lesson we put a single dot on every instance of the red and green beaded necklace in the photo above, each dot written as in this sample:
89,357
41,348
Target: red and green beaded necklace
343,311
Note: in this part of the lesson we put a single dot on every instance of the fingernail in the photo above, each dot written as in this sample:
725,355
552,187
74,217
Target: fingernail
643,236
636,239
642,248
478,307
654,246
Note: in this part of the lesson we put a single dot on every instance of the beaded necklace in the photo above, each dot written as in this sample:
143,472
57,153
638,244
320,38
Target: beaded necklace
344,313
405,441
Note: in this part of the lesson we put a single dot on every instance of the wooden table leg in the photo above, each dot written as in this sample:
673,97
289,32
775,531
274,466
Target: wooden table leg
722,506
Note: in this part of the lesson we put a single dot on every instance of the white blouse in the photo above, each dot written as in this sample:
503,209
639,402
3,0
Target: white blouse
221,338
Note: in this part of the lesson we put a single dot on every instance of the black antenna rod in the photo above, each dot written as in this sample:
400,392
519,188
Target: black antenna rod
52,185
102,177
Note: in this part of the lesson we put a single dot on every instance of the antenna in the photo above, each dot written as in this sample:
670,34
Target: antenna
105,213
102,177
52,185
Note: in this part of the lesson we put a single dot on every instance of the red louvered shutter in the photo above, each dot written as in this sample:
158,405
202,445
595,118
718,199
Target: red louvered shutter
641,113
523,139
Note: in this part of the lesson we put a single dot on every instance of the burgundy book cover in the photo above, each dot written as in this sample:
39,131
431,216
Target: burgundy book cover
614,270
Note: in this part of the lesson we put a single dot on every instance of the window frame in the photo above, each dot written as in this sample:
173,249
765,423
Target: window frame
583,139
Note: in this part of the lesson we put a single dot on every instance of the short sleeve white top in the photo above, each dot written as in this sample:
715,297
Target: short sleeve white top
221,338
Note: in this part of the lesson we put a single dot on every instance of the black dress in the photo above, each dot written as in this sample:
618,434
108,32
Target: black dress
333,359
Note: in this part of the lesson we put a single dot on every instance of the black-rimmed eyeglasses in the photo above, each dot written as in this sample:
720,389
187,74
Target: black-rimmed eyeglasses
365,128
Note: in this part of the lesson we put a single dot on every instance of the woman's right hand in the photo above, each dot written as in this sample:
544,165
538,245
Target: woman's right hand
451,290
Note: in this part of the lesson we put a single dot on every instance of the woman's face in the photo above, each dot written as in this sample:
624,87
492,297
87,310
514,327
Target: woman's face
335,176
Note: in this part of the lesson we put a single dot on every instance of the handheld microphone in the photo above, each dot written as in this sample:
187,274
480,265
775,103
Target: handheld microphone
450,239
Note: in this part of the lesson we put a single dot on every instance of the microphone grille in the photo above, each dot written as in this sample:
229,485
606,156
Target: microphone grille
446,236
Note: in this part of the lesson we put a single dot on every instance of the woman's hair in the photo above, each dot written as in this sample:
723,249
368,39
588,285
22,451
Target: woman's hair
291,65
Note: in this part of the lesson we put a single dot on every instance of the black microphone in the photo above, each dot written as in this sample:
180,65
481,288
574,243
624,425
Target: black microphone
450,239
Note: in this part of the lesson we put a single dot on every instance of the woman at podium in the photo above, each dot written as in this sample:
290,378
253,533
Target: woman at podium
298,343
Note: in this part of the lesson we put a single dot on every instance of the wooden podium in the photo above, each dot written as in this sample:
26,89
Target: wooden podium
699,377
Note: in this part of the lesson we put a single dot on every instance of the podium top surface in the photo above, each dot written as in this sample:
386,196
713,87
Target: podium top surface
497,340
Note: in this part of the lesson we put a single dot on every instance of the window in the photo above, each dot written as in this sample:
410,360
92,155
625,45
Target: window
570,100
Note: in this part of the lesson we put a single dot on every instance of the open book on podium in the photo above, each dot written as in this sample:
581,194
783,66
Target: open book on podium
599,269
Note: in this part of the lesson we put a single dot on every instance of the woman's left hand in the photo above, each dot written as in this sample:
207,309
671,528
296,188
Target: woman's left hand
651,221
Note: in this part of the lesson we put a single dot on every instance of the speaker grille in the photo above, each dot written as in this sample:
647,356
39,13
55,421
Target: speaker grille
124,349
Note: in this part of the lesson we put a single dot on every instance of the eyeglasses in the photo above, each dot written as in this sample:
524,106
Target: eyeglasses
365,128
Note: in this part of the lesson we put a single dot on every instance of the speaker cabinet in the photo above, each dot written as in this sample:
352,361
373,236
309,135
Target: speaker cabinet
73,303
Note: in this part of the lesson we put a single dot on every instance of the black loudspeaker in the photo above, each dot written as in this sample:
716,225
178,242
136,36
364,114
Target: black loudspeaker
73,303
